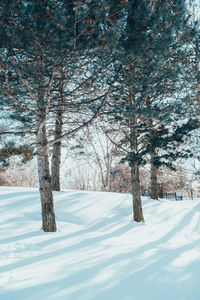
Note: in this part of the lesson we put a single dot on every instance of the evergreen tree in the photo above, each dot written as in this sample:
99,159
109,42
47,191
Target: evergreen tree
149,79
38,38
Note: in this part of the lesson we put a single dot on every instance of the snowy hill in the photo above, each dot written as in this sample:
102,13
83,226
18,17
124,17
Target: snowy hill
98,252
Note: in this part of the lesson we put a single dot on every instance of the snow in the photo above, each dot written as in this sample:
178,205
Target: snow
98,252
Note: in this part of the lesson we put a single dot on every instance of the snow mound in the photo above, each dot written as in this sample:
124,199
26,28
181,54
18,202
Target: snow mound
98,253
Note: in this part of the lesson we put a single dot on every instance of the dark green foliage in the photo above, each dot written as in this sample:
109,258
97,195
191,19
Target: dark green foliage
10,149
58,41
58,25
149,105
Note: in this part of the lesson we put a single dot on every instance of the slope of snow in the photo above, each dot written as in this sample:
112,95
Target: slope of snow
98,252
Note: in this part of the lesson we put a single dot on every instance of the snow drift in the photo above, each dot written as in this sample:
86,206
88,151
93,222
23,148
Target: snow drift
98,252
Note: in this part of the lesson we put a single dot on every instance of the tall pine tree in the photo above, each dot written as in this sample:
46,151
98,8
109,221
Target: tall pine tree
150,70
38,38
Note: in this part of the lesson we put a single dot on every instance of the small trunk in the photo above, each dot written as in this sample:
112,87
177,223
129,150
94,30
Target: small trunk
160,190
56,156
154,179
137,203
191,194
46,195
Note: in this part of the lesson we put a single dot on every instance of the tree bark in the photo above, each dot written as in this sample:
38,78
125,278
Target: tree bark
56,155
197,54
135,178
160,190
46,195
137,203
154,179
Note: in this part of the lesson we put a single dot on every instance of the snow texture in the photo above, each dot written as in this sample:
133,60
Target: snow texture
98,252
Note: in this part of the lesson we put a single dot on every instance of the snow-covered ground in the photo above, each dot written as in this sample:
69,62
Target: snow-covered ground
98,252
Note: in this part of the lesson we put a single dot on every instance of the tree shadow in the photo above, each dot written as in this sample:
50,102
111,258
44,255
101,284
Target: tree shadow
105,258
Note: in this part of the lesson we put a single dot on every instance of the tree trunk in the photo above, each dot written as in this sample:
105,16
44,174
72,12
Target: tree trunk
197,54
154,179
137,203
46,195
160,190
135,178
56,155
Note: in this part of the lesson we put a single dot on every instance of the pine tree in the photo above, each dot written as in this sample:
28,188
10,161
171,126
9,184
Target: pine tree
150,67
38,38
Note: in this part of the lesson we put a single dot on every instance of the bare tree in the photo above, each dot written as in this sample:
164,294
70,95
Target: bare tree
94,146
22,175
